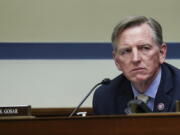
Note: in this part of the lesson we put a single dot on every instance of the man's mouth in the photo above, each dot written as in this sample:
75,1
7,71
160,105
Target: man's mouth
137,69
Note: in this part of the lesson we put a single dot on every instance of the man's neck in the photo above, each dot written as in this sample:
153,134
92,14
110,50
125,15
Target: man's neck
142,86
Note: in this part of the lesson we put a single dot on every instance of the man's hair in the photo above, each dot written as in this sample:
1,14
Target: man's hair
136,21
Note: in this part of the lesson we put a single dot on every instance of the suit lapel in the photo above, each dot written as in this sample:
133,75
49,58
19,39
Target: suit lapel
162,103
125,95
164,94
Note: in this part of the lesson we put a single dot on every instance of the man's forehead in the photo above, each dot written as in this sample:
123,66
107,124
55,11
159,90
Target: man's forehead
135,36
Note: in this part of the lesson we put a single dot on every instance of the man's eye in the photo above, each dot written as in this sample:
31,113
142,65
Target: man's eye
125,51
145,48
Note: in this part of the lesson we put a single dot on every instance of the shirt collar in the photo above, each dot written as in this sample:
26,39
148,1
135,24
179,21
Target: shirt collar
152,90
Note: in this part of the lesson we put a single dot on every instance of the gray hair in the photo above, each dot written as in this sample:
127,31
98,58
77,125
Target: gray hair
135,21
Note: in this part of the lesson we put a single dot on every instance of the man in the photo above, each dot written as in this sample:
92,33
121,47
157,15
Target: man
139,52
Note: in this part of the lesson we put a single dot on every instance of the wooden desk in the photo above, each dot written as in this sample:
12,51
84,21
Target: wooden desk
46,112
141,124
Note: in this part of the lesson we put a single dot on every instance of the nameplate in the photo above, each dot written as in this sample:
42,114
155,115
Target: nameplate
15,110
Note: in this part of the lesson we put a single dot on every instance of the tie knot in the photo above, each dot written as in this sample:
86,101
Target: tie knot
143,98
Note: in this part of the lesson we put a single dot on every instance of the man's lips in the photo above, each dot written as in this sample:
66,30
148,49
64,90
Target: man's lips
137,69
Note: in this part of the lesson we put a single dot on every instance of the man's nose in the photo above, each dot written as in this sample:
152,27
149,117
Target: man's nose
135,56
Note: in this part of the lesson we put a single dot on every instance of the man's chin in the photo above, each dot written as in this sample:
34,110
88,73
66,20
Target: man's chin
139,80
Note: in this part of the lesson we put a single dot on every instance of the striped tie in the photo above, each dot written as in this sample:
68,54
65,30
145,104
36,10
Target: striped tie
143,98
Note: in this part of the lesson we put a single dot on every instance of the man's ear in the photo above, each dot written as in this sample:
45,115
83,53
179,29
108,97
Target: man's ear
116,60
163,50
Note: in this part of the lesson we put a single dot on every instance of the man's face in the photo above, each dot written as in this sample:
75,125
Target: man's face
137,54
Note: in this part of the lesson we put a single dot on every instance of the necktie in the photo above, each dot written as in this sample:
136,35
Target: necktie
143,98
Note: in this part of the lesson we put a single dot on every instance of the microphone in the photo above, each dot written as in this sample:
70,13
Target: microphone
137,106
104,81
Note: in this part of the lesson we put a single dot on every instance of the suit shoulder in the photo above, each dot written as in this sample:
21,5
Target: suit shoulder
106,98
114,86
171,69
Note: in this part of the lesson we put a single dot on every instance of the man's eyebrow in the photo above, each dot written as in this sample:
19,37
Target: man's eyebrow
144,45
123,48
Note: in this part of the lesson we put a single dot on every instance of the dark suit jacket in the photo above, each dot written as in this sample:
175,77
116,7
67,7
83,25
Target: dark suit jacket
113,98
